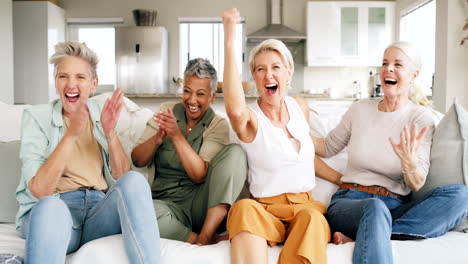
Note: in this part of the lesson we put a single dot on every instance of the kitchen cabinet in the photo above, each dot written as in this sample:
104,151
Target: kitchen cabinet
348,33
37,27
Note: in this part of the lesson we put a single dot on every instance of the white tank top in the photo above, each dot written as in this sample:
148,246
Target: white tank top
275,167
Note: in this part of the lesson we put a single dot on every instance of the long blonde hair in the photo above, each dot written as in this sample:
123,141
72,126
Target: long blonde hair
416,94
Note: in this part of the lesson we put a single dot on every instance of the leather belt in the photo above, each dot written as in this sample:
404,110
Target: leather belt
374,189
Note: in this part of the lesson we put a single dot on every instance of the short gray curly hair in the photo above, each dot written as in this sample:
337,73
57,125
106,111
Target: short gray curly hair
77,49
202,68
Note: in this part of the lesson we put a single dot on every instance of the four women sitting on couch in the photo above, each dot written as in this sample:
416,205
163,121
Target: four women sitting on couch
76,185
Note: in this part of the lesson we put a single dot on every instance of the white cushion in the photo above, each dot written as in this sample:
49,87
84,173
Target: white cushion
319,127
131,124
11,121
449,248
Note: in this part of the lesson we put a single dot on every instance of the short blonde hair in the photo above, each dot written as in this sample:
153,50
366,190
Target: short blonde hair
76,49
272,45
416,94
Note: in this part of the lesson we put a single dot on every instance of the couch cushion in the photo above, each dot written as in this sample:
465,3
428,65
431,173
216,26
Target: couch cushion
131,124
11,121
10,165
449,153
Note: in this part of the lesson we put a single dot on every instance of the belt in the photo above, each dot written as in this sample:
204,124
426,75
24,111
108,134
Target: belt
85,188
374,189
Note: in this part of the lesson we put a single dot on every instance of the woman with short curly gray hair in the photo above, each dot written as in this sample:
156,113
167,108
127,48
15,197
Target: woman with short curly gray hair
202,68
199,176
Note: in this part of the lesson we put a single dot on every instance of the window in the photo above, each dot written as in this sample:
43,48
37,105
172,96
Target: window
204,37
99,35
417,25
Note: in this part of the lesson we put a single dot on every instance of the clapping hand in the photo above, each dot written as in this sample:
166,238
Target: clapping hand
111,112
78,119
167,122
407,149
160,134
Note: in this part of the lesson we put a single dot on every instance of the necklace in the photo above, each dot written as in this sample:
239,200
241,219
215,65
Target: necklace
190,129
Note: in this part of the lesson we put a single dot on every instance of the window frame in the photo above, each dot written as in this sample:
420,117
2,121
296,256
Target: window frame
73,26
183,56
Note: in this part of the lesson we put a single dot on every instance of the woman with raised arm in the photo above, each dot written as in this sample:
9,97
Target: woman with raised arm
274,133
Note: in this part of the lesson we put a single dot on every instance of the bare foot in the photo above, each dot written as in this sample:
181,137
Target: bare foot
221,237
192,238
339,238
203,240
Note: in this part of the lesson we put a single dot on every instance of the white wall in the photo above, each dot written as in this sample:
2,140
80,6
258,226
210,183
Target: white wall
6,52
451,70
451,62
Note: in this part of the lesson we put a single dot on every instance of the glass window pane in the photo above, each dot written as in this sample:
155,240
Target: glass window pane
349,31
201,41
418,27
102,41
206,40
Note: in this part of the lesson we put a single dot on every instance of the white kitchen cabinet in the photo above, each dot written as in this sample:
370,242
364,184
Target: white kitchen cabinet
348,33
37,27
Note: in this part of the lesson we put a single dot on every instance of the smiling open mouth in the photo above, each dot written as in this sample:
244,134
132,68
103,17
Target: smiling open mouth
391,81
72,97
271,88
193,108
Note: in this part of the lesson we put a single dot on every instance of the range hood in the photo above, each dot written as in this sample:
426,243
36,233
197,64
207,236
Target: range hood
275,28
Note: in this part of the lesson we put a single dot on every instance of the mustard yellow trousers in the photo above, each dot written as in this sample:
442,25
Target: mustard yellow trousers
294,219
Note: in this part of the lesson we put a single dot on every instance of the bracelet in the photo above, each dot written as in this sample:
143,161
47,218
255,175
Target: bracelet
407,172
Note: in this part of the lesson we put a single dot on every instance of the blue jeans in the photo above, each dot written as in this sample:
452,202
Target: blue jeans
373,220
58,226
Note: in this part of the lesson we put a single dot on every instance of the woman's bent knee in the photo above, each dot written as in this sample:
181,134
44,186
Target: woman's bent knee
50,207
133,181
244,205
50,215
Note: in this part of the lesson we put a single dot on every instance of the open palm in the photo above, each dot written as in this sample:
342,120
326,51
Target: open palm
111,111
407,149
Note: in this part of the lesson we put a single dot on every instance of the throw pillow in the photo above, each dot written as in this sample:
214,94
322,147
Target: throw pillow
9,178
319,127
449,154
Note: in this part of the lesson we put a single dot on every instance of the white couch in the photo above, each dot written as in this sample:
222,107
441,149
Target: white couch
450,248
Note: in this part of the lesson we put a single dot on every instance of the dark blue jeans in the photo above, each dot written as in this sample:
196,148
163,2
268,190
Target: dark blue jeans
373,220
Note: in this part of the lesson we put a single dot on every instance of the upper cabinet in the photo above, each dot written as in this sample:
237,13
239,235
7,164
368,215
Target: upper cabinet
348,33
